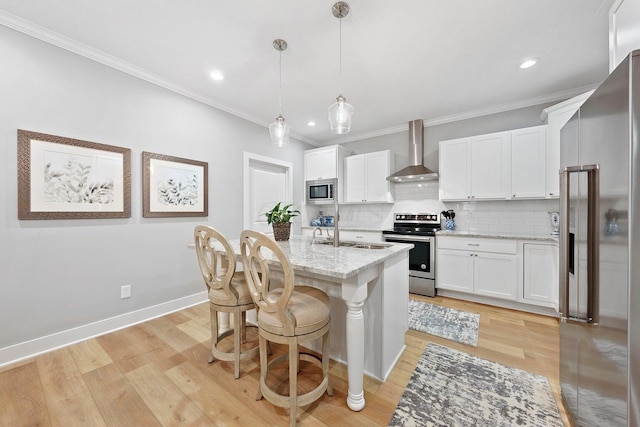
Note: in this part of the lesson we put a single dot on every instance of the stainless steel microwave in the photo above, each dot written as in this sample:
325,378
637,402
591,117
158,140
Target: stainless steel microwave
322,191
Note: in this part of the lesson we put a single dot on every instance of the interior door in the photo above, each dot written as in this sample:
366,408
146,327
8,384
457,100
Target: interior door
266,182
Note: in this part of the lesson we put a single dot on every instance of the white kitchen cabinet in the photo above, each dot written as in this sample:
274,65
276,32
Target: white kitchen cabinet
528,171
361,235
540,273
455,270
495,275
487,267
475,167
350,235
556,117
454,169
366,178
624,36
324,163
490,166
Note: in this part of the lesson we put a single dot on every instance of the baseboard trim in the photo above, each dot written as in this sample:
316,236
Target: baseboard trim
28,349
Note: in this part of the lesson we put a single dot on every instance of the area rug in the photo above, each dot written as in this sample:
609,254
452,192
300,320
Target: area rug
444,322
453,388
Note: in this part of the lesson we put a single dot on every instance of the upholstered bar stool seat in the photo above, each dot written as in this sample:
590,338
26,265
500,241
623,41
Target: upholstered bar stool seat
239,286
228,293
290,314
310,307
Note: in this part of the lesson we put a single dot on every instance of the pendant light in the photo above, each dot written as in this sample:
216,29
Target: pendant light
341,112
279,130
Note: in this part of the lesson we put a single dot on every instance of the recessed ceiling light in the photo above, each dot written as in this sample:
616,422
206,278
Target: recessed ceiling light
217,75
528,63
311,123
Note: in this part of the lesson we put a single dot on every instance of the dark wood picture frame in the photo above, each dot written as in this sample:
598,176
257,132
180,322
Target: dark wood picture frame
181,191
66,178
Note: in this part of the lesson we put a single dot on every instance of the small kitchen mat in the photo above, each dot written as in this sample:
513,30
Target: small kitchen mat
453,388
444,322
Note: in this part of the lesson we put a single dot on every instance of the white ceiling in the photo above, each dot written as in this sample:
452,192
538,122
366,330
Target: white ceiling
438,60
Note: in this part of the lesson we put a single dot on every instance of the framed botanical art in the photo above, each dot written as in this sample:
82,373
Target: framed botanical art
174,187
65,178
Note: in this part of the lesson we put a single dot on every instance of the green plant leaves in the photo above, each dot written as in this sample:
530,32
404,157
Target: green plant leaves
281,214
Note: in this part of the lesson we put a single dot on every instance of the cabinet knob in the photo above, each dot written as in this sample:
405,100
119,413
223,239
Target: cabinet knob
514,196
473,197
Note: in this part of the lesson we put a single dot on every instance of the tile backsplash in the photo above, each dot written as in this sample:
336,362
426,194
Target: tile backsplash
529,217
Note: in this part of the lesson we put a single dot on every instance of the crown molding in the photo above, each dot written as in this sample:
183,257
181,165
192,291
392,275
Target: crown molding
29,28
19,24
557,96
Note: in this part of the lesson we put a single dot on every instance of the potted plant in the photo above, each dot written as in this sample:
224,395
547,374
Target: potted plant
280,219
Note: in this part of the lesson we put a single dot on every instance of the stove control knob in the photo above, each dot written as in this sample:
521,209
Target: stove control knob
423,266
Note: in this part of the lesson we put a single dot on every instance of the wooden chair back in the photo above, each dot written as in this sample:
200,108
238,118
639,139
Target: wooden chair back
260,257
216,259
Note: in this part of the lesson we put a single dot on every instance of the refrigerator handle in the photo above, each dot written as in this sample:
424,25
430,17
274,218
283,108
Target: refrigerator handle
593,243
564,245
593,239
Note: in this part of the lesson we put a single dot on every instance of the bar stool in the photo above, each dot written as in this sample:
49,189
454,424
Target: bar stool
288,315
228,293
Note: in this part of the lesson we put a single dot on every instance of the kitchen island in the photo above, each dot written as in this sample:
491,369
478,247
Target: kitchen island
369,291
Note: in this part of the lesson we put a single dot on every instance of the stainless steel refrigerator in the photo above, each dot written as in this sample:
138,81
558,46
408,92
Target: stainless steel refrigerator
600,254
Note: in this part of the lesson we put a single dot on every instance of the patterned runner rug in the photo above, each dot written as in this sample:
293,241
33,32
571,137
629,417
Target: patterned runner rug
453,388
445,322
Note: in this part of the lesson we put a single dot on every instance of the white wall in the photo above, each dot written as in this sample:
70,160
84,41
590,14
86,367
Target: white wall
62,274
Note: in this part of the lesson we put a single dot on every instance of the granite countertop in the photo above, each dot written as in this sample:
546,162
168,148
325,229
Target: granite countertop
327,260
513,236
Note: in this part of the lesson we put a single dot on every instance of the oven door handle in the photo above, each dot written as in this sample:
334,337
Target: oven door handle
405,238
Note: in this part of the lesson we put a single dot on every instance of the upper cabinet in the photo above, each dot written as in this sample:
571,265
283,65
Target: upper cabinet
455,160
497,166
528,171
366,178
490,166
556,117
624,36
324,163
475,168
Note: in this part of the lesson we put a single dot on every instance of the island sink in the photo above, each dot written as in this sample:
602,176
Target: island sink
358,245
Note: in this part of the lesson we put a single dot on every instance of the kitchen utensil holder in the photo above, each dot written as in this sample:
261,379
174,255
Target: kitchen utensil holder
450,224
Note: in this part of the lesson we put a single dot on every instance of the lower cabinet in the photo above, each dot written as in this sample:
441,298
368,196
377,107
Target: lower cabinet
352,235
455,270
481,266
495,275
523,274
540,273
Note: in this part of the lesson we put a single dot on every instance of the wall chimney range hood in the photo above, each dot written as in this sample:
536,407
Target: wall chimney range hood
416,171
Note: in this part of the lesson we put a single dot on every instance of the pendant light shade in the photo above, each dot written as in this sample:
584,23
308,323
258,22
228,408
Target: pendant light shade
340,113
279,130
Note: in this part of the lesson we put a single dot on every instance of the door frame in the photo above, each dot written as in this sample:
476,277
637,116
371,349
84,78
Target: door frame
249,158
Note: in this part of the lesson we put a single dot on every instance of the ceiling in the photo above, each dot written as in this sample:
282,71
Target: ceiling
401,60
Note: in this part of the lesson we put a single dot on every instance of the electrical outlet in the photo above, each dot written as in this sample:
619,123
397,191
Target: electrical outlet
125,291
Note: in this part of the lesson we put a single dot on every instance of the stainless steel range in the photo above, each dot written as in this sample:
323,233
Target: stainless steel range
420,230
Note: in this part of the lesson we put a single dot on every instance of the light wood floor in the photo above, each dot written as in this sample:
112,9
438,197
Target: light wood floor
156,373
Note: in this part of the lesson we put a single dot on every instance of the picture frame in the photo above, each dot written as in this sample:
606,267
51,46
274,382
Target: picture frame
174,187
66,178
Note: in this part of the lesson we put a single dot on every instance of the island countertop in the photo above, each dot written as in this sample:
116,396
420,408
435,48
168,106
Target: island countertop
341,262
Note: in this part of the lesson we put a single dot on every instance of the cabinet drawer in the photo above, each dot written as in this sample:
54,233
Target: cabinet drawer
477,245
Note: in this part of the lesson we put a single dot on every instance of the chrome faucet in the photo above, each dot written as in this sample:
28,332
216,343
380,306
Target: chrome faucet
313,240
